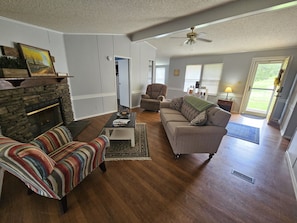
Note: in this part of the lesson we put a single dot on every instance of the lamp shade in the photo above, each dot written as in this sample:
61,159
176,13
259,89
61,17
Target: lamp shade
228,90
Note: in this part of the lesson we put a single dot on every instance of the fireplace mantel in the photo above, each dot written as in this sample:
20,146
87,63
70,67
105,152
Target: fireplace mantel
11,83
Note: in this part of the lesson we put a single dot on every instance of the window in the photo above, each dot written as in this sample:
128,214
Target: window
211,77
160,75
193,74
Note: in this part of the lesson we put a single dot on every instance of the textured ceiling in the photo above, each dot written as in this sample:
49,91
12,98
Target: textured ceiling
260,30
101,16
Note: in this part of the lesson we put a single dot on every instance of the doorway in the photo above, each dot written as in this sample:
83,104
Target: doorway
122,66
262,85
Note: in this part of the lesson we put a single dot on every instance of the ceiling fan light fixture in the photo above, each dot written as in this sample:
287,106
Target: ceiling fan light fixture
190,41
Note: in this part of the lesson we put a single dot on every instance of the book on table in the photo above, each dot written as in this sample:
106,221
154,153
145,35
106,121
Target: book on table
120,122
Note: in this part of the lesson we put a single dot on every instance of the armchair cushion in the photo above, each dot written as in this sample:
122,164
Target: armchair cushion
145,96
53,139
37,160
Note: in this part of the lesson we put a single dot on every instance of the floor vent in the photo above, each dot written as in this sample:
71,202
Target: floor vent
243,176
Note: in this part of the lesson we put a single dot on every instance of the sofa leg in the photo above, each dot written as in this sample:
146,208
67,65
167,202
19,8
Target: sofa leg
102,167
63,203
210,156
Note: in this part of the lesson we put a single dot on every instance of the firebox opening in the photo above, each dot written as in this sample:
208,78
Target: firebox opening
44,116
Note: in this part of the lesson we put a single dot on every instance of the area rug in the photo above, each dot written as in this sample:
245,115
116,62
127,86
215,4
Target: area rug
244,132
122,150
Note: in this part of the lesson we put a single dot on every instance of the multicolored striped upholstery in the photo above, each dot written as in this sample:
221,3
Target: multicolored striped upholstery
53,139
52,165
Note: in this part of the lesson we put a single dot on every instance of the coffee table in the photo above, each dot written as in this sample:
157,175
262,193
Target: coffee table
125,132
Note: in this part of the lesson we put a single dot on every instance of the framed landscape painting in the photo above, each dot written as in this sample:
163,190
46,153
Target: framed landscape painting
39,60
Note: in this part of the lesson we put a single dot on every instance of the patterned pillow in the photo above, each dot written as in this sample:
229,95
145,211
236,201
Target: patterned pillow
176,103
188,111
38,160
200,119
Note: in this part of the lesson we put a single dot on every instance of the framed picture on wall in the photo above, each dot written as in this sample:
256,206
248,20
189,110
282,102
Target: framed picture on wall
39,60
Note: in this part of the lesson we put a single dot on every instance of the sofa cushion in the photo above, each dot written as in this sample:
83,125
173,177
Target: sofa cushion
189,111
173,117
37,160
176,103
168,111
200,119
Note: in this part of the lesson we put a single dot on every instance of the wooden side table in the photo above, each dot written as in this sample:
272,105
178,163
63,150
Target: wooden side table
225,104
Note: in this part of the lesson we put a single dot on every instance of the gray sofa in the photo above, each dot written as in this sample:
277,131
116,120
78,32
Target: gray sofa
193,125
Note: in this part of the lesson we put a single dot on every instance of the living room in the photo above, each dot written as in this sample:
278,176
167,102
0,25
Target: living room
93,93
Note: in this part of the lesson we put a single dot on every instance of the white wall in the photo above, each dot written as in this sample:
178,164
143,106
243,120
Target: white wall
13,32
93,85
94,89
235,72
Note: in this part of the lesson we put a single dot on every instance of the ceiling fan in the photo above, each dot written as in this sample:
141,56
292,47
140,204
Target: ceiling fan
192,37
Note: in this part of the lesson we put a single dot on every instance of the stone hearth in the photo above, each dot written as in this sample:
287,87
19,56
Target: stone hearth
14,121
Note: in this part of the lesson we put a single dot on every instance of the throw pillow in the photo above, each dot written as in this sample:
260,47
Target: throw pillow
200,119
176,103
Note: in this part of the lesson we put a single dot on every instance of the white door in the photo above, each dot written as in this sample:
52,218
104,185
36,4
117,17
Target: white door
124,82
259,95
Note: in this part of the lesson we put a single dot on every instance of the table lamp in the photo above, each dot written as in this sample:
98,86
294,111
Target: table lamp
228,90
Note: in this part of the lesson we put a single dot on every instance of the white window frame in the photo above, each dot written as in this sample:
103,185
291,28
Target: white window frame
160,74
193,74
208,75
211,77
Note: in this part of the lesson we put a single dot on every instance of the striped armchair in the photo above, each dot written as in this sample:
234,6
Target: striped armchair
52,164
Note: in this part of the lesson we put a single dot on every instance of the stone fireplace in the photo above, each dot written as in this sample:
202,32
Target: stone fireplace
29,110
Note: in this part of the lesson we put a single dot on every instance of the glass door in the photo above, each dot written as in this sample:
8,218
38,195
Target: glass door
261,86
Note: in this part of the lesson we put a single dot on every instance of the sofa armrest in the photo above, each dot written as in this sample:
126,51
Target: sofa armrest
165,104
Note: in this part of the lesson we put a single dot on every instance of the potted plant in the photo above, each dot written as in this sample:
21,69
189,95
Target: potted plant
13,67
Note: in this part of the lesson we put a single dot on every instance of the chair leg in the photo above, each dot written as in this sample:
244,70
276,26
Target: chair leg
29,191
103,167
210,156
63,203
1,179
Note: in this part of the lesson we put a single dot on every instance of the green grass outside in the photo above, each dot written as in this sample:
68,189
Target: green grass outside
259,99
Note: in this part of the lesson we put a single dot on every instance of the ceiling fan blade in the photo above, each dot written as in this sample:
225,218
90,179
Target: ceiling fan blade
177,37
204,40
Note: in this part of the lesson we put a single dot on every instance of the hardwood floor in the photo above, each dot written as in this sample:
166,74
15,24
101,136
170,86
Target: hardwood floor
190,189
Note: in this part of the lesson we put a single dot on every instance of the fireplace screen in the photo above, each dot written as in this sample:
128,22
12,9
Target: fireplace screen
44,116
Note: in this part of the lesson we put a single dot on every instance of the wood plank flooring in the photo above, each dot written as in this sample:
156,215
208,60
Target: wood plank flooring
190,189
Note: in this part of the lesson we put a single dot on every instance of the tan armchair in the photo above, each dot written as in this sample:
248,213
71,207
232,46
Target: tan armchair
155,93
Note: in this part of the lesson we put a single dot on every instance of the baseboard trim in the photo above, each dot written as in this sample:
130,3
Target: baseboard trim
293,178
